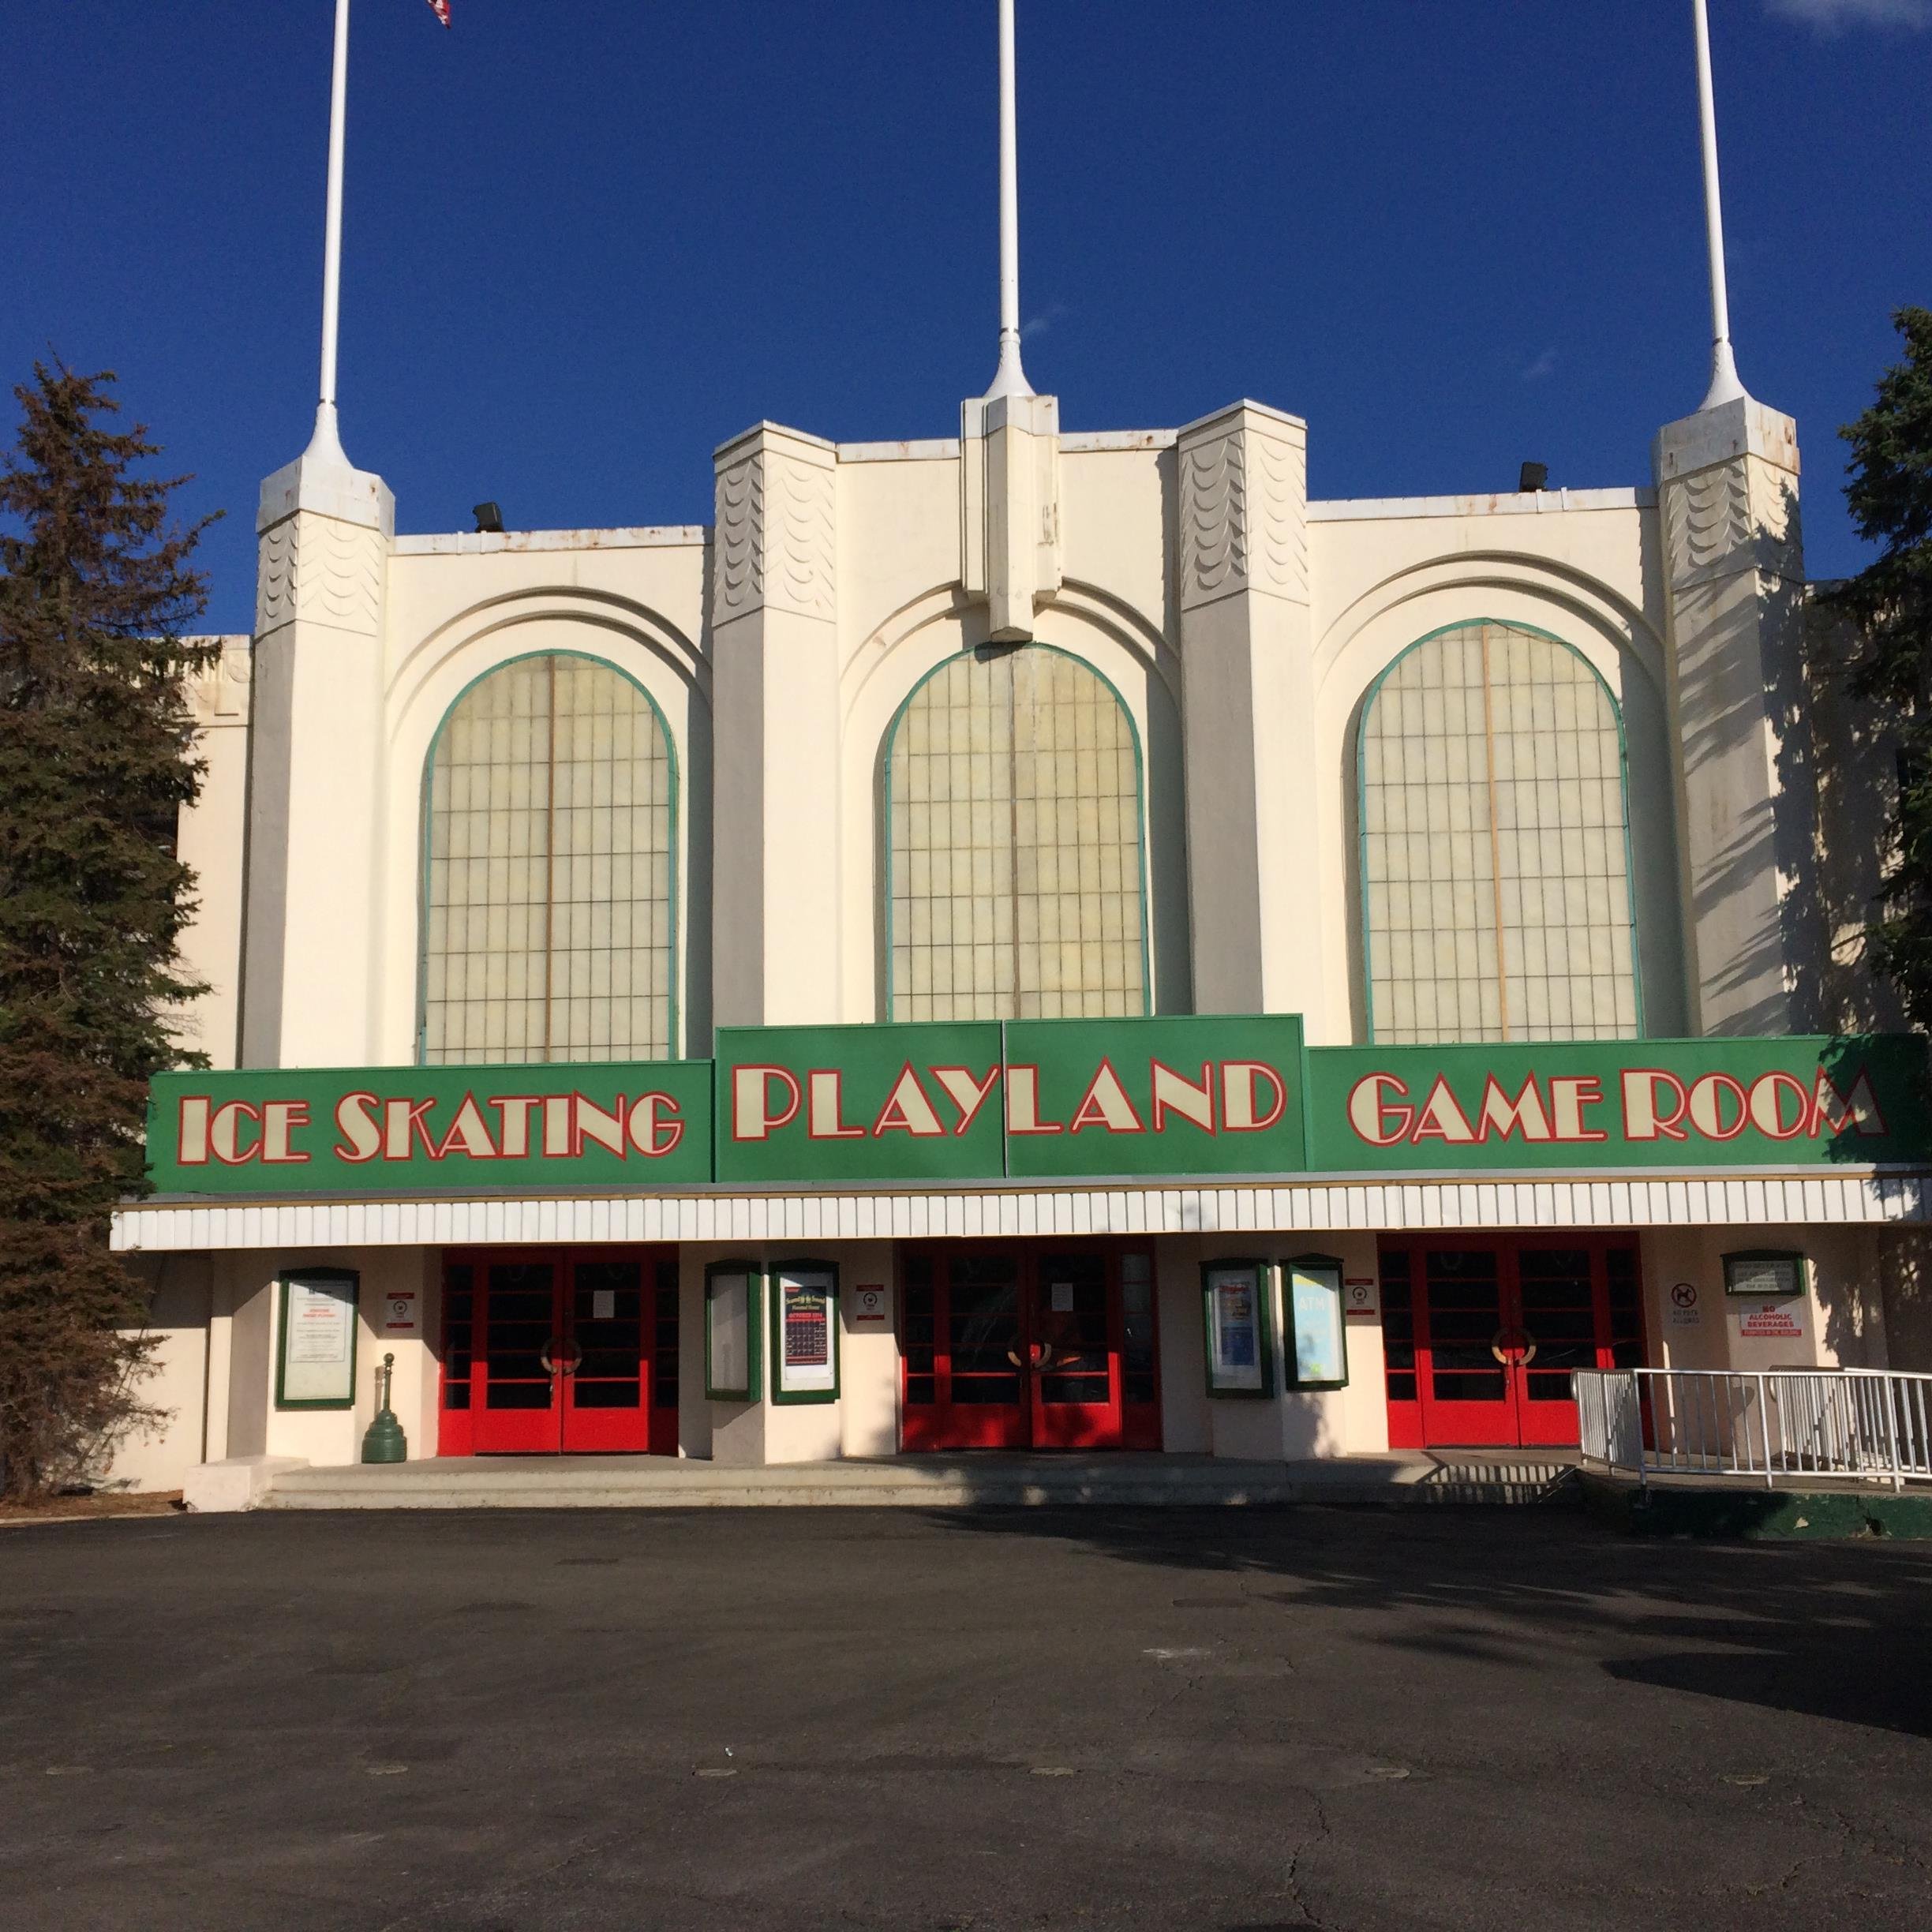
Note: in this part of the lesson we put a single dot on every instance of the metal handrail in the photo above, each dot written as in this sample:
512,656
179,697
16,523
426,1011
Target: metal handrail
1873,1423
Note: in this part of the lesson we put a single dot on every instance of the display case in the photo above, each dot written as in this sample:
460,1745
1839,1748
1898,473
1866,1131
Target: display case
804,1331
1235,1299
1316,1352
316,1339
733,1332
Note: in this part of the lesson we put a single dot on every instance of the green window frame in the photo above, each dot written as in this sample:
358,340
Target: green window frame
751,1388
347,1277
1440,1030
894,1001
555,1052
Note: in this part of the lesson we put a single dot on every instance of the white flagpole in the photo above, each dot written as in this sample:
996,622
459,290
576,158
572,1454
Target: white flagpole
1009,379
1724,385
326,441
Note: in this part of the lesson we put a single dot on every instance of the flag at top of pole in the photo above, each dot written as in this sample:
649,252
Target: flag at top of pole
441,9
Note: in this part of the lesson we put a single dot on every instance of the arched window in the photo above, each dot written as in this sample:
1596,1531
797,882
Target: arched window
549,921
1013,827
1495,843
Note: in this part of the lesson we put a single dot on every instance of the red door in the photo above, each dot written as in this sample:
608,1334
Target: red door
1480,1336
553,1352
1014,1348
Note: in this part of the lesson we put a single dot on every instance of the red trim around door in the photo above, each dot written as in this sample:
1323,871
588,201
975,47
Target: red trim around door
1481,1333
550,1351
1013,1345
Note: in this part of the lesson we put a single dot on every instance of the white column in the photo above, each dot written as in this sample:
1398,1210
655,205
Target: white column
1254,772
775,823
309,932
1755,945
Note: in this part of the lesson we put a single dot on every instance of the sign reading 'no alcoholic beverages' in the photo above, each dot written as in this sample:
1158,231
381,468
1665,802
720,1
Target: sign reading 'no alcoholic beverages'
431,1130
1582,1104
1031,1099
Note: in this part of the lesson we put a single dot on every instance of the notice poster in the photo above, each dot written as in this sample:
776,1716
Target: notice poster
806,1348
1321,1345
1236,1341
316,1368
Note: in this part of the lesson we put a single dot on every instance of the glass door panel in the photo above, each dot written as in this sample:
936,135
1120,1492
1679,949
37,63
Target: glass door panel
1554,1332
1465,1391
1073,1354
517,1410
1139,1355
606,1395
985,1349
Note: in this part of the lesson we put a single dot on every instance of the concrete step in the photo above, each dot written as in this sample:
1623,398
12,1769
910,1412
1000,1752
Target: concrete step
907,1482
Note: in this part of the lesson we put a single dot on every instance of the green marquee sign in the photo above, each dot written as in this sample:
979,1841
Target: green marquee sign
981,1102
1581,1104
435,1130
1027,1098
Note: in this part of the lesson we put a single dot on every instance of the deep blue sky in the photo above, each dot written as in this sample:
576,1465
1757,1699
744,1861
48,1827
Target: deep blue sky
587,240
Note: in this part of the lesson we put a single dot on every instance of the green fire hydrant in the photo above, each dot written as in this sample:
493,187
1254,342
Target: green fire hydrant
383,1441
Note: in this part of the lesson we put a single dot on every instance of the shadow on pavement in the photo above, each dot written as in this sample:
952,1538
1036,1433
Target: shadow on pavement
1829,1631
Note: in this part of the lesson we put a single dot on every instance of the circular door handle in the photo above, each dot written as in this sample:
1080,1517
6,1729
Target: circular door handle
1014,1359
1506,1343
548,1360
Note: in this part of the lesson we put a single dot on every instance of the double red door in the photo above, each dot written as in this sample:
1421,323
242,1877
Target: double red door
1016,1347
549,1351
1480,1335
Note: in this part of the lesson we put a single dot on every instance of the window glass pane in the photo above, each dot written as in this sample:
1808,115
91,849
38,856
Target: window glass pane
1495,858
1014,818
548,928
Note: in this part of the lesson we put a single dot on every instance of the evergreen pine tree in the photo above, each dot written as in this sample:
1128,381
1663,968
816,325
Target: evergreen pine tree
1890,602
95,764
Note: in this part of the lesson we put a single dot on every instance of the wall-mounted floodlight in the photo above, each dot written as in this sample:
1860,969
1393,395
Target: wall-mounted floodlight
489,519
1534,477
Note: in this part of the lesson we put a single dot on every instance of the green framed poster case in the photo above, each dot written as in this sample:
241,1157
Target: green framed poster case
316,1338
1766,1274
1314,1348
804,1331
734,1331
1236,1321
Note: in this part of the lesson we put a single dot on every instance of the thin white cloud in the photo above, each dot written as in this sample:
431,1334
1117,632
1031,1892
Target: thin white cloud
1544,364
1833,16
1040,324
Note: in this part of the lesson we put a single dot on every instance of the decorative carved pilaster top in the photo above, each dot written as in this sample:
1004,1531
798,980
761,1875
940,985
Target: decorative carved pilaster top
1739,515
323,571
776,543
1244,509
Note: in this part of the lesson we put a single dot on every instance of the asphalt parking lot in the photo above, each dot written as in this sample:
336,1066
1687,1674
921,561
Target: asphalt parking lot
1321,1718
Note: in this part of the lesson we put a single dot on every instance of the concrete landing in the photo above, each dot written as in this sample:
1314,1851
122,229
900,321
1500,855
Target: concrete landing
986,1480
